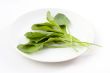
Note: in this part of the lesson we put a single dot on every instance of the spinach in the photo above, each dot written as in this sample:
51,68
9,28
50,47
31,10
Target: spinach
61,19
52,34
30,48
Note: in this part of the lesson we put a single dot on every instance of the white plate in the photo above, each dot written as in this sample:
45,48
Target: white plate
79,28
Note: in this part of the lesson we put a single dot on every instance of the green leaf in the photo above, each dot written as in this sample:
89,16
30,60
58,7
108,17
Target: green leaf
43,28
51,35
44,24
35,36
61,19
30,48
32,35
51,20
49,17
38,36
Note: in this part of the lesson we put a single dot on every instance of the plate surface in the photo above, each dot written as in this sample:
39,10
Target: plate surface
78,28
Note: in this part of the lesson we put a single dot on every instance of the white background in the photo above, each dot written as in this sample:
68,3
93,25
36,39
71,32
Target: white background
96,12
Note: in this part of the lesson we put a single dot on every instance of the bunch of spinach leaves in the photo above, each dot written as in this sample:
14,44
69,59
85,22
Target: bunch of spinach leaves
51,34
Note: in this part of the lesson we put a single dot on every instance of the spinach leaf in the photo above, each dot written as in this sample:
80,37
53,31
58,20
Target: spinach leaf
51,20
61,19
32,35
49,17
30,48
44,24
43,28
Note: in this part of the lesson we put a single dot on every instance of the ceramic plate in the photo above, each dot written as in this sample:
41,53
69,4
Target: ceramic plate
78,28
